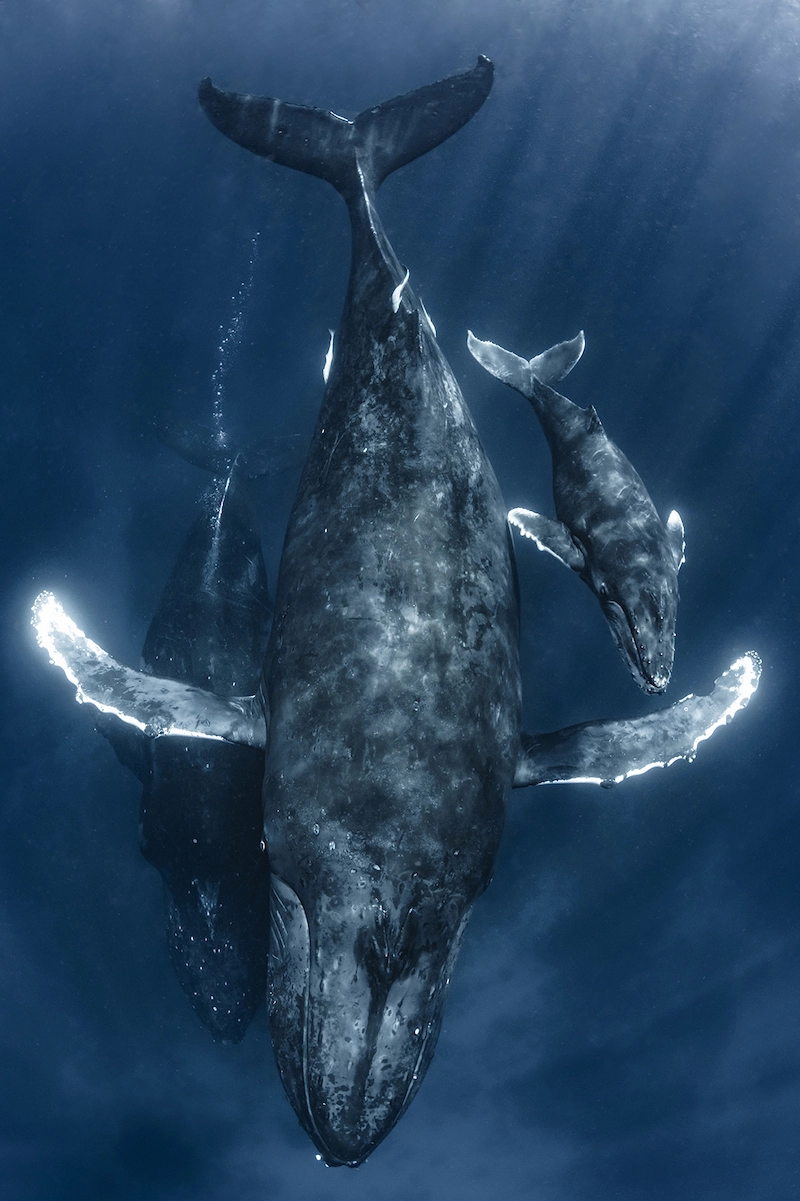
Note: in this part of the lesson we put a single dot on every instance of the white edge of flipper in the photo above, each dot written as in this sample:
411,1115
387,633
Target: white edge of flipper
326,366
677,537
608,752
549,535
152,705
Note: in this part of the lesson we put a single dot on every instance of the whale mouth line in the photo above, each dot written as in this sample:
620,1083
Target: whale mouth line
351,1137
336,1159
626,636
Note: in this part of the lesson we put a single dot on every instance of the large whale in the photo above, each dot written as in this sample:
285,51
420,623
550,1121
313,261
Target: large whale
393,681
606,528
599,752
391,685
393,674
200,818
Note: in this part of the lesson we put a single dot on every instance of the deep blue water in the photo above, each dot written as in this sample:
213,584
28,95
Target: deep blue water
623,1020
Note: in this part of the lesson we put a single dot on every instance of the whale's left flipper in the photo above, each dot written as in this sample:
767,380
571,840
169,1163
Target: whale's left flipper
607,752
152,705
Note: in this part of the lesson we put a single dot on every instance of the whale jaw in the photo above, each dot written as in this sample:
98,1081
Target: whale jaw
646,642
356,1001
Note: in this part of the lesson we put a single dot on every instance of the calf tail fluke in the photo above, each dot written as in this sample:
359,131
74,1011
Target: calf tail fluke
350,154
549,368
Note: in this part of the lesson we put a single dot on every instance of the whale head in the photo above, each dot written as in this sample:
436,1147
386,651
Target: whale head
357,988
636,582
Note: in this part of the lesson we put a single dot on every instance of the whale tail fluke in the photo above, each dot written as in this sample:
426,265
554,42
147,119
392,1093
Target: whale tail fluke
203,447
355,154
548,368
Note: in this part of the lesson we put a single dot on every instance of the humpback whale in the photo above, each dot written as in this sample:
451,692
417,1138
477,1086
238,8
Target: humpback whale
393,679
607,527
200,819
393,676
389,705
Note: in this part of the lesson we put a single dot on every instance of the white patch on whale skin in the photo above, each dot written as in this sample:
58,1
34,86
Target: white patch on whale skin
516,518
208,896
426,315
398,293
674,526
326,369
513,519
152,705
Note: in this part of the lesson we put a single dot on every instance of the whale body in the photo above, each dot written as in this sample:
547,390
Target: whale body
393,677
607,527
200,818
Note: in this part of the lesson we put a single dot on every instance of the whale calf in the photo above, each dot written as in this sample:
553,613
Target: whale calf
607,527
200,819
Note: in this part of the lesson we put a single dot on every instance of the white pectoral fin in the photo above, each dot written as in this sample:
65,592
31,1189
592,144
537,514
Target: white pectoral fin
549,535
608,752
677,537
152,705
508,367
551,366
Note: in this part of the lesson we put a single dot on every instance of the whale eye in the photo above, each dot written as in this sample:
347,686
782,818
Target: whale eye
602,591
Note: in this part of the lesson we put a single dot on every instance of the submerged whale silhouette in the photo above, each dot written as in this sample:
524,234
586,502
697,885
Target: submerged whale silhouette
200,821
389,707
607,527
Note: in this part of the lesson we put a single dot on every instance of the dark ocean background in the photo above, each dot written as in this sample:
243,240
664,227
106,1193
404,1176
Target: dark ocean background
623,1020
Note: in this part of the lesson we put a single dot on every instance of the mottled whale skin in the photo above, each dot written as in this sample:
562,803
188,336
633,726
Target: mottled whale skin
393,678
201,819
607,527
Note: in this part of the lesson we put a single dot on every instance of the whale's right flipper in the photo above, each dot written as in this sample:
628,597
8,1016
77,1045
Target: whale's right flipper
608,752
550,367
152,705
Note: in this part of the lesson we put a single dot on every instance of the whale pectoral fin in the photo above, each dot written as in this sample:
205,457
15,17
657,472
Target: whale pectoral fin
508,367
593,423
152,705
128,743
551,366
549,535
677,537
607,752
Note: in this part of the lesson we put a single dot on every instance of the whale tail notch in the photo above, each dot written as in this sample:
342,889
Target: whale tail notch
351,155
548,368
